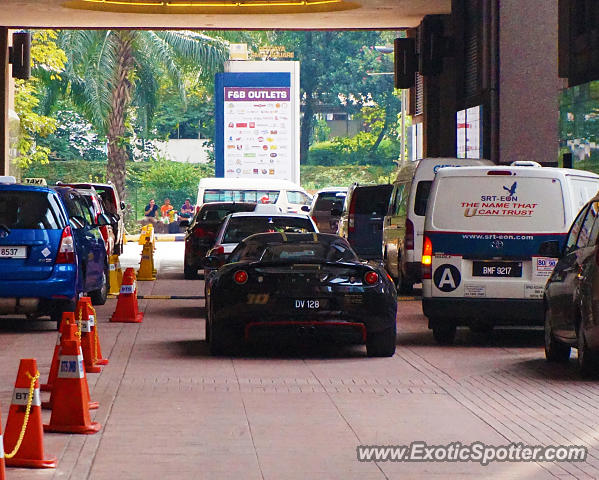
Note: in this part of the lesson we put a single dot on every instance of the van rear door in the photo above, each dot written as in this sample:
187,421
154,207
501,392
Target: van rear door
367,209
486,230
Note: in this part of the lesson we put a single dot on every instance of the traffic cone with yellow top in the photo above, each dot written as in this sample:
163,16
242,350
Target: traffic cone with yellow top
146,265
24,434
142,234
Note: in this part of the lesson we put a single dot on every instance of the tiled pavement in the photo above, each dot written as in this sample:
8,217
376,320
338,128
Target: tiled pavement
169,410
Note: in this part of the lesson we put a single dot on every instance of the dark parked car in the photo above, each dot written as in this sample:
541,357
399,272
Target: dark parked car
361,221
46,260
201,232
323,204
300,285
572,293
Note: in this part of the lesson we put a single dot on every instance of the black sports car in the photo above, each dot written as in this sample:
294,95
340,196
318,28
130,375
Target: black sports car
299,285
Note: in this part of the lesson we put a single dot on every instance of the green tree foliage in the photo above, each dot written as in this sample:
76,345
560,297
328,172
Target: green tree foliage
48,61
113,76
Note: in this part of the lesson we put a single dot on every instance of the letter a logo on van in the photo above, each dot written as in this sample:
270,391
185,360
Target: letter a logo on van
447,278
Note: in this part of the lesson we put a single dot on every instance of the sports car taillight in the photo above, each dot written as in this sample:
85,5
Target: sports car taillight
240,277
66,250
427,258
371,278
315,221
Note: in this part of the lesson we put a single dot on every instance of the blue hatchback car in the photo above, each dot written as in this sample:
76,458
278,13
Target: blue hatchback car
50,253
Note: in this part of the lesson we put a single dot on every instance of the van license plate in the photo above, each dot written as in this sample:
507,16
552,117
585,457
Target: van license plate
497,269
13,252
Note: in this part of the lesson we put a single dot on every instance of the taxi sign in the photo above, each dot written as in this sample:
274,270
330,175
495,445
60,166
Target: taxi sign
35,181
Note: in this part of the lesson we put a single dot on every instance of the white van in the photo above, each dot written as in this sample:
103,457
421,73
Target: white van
403,226
287,195
483,261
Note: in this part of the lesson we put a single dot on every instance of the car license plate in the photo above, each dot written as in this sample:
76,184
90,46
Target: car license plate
497,269
309,304
13,252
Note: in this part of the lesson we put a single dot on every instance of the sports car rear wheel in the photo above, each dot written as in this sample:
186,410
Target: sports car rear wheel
381,344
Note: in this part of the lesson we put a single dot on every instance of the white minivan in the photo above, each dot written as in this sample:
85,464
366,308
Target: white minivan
286,195
485,236
403,226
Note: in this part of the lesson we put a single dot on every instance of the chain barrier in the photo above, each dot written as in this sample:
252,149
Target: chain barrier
79,322
26,419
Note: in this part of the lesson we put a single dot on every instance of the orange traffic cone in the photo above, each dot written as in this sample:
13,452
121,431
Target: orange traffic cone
67,317
2,469
126,306
70,396
86,320
73,330
30,452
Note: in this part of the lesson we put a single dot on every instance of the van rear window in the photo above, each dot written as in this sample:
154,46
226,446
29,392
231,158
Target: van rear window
29,210
221,195
423,189
326,201
499,204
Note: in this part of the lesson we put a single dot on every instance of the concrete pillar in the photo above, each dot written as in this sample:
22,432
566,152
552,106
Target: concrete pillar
4,99
529,83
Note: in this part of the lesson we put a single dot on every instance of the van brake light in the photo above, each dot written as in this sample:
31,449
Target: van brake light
499,172
66,250
427,258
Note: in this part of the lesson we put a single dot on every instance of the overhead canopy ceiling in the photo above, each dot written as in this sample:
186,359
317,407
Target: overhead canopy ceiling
219,14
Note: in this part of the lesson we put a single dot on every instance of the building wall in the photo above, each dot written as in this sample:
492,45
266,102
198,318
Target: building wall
528,81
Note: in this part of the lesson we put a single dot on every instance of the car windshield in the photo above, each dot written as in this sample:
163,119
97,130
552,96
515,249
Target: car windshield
322,250
240,227
29,210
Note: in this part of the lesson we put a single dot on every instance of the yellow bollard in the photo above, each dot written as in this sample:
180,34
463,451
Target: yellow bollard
142,234
146,266
115,274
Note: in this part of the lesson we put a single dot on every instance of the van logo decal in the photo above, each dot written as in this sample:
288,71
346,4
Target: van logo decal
498,244
447,277
512,190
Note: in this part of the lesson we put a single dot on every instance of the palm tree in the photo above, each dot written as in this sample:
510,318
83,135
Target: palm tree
112,76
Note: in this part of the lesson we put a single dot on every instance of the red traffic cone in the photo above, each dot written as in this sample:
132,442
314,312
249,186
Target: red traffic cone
67,317
30,453
70,396
2,469
86,319
126,306
72,330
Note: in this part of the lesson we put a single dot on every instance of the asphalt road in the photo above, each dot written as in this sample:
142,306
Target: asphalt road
170,410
